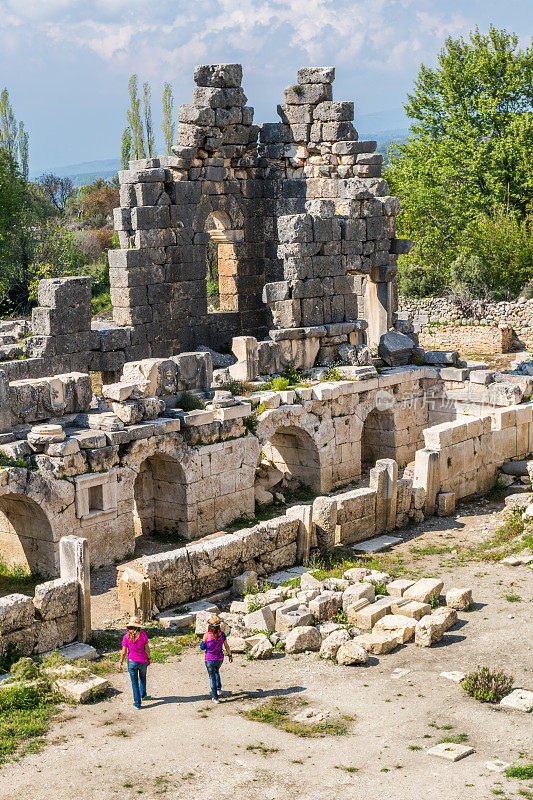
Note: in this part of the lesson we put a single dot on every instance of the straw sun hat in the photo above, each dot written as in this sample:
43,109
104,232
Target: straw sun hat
134,622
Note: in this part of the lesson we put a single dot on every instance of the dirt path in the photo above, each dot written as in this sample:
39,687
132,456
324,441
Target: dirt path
180,745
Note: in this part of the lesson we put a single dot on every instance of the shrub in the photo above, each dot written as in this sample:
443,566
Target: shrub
279,384
8,655
523,773
191,402
487,686
20,697
25,669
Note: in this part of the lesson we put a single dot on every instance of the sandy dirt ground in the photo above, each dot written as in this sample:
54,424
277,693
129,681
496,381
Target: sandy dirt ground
179,745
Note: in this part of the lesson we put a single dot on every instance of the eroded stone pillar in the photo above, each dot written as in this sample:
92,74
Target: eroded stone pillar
74,565
427,476
384,480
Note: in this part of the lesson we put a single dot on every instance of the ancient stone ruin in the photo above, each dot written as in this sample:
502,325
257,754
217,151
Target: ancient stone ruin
190,427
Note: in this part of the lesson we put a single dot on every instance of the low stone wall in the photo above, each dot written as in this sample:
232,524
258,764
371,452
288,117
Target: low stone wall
59,611
518,314
211,564
464,456
47,620
467,339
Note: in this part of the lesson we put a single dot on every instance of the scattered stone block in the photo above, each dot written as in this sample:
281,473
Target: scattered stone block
410,608
78,651
460,599
497,765
356,574
353,610
357,591
82,688
397,625
456,677
398,587
301,639
424,589
287,620
236,644
351,653
399,672
378,643
169,619
519,699
428,631
377,544
262,650
445,504
326,605
261,620
450,751
308,581
367,617
244,582
331,644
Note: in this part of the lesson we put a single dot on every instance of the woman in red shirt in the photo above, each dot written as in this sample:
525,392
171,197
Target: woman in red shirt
135,645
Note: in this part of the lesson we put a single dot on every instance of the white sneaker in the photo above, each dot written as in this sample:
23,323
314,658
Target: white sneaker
215,701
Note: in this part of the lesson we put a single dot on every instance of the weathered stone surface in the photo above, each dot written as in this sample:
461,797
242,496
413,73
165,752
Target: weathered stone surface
331,644
261,620
450,751
395,348
351,653
357,591
262,650
56,598
461,599
378,643
518,699
244,582
82,688
301,639
424,589
16,611
397,625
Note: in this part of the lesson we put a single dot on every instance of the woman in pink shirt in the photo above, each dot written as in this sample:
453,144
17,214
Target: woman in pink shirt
135,645
212,642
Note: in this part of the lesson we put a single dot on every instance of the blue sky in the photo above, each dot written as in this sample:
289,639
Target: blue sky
66,63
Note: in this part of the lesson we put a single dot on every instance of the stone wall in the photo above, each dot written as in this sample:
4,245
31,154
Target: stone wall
515,313
485,339
59,611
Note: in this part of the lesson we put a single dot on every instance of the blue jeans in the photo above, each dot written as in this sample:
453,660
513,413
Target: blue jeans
213,668
137,670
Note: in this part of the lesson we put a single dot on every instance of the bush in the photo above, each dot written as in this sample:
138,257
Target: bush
190,402
25,669
20,697
487,686
8,655
468,273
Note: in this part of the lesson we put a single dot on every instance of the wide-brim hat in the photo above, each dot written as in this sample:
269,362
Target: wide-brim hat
134,622
213,620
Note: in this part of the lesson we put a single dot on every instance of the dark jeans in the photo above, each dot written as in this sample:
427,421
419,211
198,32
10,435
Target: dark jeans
213,668
137,670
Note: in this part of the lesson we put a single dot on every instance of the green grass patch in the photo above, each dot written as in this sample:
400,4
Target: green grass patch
278,710
513,597
523,773
261,748
191,402
17,579
454,738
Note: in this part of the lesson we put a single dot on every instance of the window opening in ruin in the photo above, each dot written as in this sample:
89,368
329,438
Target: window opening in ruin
96,498
160,502
221,263
378,439
26,538
288,462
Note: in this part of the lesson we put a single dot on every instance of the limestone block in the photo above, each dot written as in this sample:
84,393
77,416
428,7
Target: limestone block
236,644
410,608
308,581
82,688
244,582
303,638
519,700
384,481
366,617
52,633
395,348
134,594
398,587
325,522
429,630
16,611
261,620
56,598
460,599
261,650
351,653
446,616
316,75
450,751
353,610
331,644
357,591
287,620
398,625
424,589
377,643
356,574
326,605
307,94
445,503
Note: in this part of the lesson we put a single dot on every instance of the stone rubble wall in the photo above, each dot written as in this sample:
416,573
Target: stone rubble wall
484,339
518,314
43,622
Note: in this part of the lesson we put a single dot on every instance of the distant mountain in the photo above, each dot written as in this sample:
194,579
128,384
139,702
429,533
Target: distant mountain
85,172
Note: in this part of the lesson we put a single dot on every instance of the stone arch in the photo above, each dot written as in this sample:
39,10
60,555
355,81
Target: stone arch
378,433
294,452
160,496
26,535
221,248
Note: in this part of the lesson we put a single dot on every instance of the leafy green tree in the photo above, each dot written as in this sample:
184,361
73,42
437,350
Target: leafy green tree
138,144
168,125
13,136
149,129
470,149
125,148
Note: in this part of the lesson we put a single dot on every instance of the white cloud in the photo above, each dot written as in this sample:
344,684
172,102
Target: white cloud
139,35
